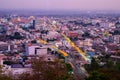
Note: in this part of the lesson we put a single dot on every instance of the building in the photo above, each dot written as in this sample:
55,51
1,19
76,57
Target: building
72,34
33,24
86,42
2,57
117,39
30,49
4,46
111,39
41,51
36,50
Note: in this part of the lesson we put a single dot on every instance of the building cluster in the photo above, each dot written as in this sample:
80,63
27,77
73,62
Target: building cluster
23,38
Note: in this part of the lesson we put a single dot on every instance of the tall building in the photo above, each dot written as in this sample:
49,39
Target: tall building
33,24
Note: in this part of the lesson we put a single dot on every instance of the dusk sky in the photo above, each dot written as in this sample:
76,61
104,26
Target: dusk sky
61,4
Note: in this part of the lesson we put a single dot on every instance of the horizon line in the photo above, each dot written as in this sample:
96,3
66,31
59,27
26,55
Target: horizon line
60,9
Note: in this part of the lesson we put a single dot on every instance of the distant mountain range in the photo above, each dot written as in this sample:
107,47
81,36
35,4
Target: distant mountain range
55,12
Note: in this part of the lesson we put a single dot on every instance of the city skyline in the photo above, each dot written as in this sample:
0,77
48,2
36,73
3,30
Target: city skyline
61,4
59,40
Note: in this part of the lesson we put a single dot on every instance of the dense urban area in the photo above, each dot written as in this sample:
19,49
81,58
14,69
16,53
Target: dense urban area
59,47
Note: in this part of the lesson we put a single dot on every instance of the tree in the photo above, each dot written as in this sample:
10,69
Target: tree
34,41
48,49
3,76
50,70
7,62
96,76
69,68
97,24
107,56
109,64
25,76
94,64
116,32
86,34
16,36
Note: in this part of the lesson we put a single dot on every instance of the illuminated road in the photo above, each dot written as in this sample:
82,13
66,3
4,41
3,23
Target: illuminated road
79,71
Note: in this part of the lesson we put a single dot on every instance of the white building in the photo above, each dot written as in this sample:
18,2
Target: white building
41,51
4,46
117,39
36,50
